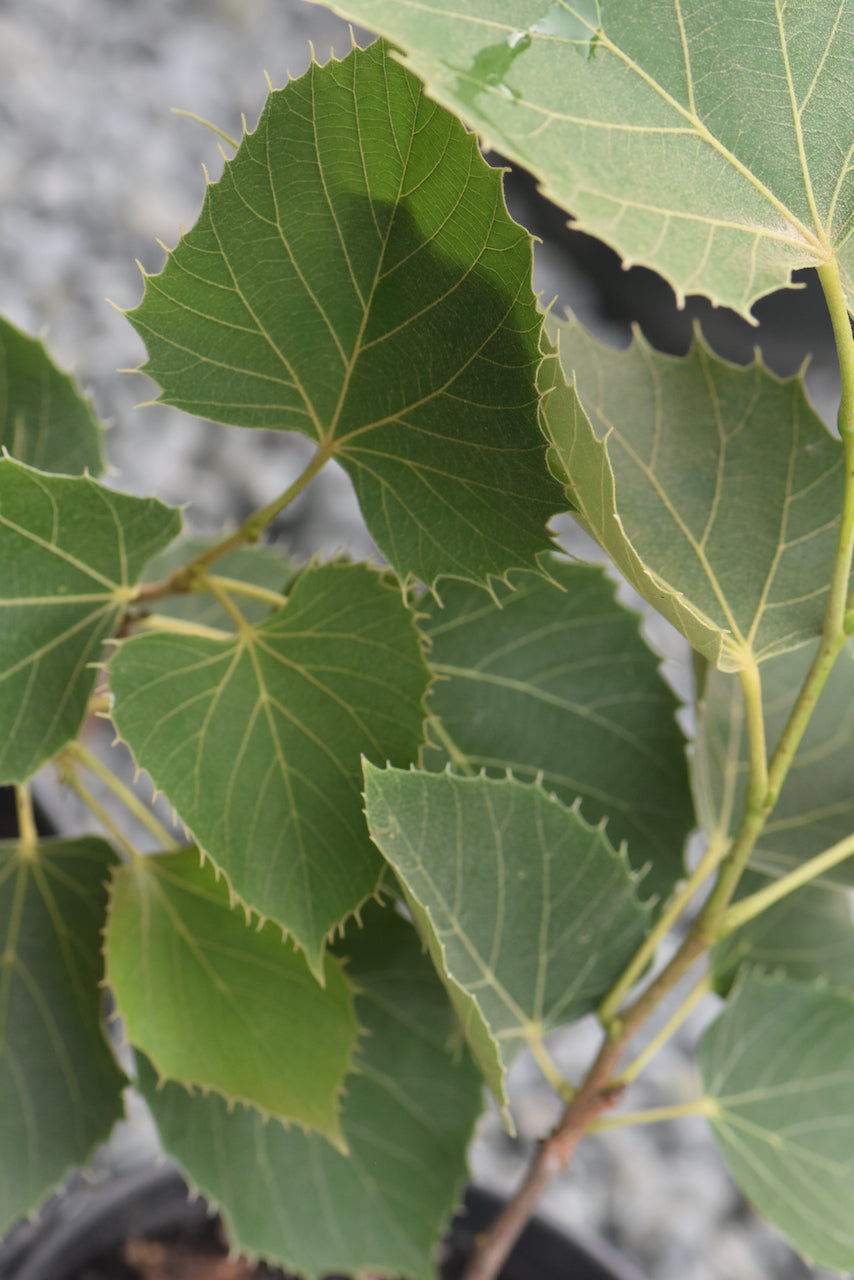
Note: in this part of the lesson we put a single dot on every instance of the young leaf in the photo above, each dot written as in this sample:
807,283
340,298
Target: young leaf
259,566
215,1001
355,276
529,913
779,1065
681,466
407,1117
44,420
60,1088
560,684
816,805
644,122
70,554
256,739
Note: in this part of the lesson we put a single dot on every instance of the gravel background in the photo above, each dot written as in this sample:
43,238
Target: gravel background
93,168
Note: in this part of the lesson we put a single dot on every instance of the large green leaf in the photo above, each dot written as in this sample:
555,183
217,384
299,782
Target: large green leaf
71,552
778,1065
44,420
256,739
714,488
60,1088
217,1002
710,141
529,913
560,684
354,275
816,805
407,1117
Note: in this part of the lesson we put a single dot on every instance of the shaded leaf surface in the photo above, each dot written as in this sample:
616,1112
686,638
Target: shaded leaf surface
256,739
779,1063
354,275
215,1001
527,909
44,420
710,142
407,1117
70,554
681,465
560,683
60,1088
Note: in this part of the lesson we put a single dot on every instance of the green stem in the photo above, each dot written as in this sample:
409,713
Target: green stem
68,775
235,587
90,761
751,691
756,903
162,622
220,133
550,1072
27,834
673,1023
698,1107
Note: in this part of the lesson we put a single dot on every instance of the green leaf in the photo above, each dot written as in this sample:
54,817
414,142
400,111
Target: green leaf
259,566
407,1117
682,464
816,805
71,552
529,913
355,276
217,1002
808,935
44,420
560,684
256,739
60,1088
710,142
779,1065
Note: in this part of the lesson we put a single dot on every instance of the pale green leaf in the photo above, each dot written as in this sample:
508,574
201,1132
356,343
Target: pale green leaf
354,275
71,552
215,1001
559,683
44,420
259,566
256,739
778,1065
714,488
711,142
527,910
816,805
407,1118
60,1088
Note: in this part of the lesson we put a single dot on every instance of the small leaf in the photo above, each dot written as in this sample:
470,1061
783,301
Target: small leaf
560,684
44,420
217,1002
779,1064
256,739
816,805
529,913
70,554
259,566
60,1088
354,275
407,1118
682,464
710,142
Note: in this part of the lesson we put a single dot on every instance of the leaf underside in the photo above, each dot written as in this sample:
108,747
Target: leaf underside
407,1118
642,122
256,739
354,275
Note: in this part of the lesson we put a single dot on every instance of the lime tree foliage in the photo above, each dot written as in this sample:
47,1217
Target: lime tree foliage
430,809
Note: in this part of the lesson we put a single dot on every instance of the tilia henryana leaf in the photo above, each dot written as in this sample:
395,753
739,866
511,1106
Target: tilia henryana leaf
816,805
560,683
215,1001
778,1067
407,1117
71,552
714,488
354,275
256,739
60,1088
44,420
711,141
529,913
